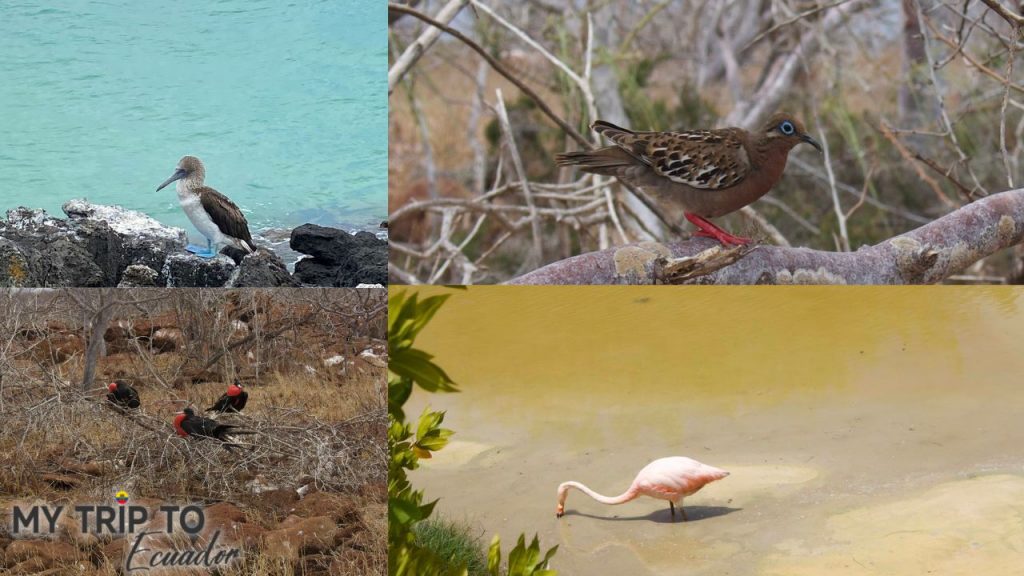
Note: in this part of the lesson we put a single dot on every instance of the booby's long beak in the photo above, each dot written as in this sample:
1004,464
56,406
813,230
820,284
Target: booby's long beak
178,175
805,137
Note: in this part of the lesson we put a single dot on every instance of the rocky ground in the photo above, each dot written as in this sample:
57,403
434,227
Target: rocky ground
304,494
97,245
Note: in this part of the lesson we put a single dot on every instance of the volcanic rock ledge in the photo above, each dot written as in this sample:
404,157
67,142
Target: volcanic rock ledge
98,245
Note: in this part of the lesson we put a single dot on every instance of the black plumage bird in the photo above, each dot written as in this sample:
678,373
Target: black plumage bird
232,401
123,395
186,424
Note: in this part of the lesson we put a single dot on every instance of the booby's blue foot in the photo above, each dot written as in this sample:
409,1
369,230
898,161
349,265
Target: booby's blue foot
200,251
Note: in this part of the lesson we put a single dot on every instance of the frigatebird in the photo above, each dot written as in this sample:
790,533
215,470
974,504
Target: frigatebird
232,401
186,424
123,395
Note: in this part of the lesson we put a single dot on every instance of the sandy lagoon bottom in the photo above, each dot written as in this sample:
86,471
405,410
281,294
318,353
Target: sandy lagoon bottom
864,434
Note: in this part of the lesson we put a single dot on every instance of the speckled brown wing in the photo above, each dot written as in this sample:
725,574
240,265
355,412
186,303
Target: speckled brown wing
226,215
702,159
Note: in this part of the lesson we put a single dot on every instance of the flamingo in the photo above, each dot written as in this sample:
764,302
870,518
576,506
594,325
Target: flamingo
671,479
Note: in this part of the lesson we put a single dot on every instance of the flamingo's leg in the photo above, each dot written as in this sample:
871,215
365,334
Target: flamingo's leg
707,229
683,512
672,507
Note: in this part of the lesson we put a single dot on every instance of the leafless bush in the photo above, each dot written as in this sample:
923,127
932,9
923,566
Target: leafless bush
311,421
58,431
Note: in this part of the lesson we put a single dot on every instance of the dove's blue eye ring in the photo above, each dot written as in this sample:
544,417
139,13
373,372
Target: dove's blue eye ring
787,128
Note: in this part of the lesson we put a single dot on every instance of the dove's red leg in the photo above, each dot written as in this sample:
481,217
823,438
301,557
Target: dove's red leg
707,229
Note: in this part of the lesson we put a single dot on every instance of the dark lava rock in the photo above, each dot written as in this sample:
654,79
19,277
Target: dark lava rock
368,266
52,249
315,272
14,270
140,239
187,270
339,259
138,276
236,254
264,268
328,245
92,247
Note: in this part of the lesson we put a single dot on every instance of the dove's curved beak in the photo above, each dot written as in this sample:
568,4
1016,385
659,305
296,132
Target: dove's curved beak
807,138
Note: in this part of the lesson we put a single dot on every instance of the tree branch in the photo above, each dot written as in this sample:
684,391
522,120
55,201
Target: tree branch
500,69
1015,20
774,87
416,49
926,255
252,338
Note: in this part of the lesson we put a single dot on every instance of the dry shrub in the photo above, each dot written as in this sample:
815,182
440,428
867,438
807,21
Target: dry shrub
313,423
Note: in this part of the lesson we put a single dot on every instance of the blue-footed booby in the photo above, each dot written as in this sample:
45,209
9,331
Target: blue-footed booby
212,213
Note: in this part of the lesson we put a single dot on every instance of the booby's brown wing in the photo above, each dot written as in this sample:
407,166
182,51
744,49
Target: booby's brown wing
704,159
226,215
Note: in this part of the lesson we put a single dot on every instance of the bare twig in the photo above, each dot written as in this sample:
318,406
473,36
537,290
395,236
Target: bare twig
1002,109
863,195
844,237
769,93
499,68
909,156
517,163
413,52
1015,20
972,61
796,18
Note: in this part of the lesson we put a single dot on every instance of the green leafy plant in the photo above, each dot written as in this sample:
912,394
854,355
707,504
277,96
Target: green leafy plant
522,561
408,367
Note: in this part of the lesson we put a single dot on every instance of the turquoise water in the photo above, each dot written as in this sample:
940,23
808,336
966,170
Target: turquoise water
285,103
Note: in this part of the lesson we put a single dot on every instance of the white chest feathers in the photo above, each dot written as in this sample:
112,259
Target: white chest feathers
197,214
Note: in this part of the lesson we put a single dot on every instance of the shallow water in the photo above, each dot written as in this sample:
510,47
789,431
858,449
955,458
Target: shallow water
867,431
284,102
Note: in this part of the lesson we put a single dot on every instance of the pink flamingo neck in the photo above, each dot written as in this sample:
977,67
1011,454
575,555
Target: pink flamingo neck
563,493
